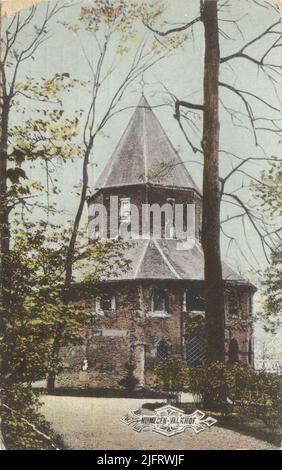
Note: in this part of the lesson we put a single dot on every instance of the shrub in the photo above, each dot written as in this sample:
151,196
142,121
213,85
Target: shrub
228,388
171,375
235,388
259,396
209,384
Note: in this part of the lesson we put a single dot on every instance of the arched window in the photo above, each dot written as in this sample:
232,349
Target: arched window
250,353
169,230
194,299
196,351
104,303
162,350
125,209
160,301
233,304
233,352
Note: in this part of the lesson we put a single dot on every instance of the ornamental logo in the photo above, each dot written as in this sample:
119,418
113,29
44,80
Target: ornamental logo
168,421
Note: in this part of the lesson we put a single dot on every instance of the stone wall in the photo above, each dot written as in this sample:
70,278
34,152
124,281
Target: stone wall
131,333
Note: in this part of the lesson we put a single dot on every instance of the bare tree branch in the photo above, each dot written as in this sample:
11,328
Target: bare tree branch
12,33
178,29
249,214
241,94
240,54
244,161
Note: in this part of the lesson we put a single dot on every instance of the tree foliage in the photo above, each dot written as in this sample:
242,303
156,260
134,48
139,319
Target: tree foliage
36,313
171,374
269,199
237,389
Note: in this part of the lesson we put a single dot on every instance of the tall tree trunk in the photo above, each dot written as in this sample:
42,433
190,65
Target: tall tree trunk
214,292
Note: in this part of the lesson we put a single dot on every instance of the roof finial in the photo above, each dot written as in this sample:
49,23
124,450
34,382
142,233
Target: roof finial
143,84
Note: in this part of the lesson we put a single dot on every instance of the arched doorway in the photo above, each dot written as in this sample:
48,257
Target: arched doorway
233,352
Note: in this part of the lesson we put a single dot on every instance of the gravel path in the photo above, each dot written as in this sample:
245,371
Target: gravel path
94,423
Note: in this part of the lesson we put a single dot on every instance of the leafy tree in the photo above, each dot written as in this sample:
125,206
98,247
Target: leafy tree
35,309
14,53
35,317
36,312
15,50
269,199
272,292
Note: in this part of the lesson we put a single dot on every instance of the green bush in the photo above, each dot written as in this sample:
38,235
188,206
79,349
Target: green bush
248,393
209,384
259,395
171,375
223,387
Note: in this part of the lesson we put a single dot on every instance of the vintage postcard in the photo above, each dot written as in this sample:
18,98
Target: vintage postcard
140,227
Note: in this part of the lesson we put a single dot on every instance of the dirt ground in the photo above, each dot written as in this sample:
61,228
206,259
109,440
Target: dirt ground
95,423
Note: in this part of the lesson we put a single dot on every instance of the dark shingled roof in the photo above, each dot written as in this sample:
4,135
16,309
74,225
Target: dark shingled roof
167,259
145,155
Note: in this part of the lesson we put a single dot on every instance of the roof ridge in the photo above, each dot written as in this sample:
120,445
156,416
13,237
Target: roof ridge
141,258
172,269
112,157
174,149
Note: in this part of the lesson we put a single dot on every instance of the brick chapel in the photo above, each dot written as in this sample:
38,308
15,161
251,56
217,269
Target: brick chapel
140,316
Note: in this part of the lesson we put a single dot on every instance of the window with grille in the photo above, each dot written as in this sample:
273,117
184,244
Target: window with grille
196,351
105,303
233,304
160,300
162,350
125,210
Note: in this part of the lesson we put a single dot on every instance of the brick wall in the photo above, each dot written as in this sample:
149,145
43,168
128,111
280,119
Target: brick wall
131,333
146,194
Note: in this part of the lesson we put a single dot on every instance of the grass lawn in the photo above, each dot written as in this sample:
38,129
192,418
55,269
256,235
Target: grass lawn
250,427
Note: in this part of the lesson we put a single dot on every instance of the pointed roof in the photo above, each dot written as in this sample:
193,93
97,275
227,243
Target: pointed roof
144,154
